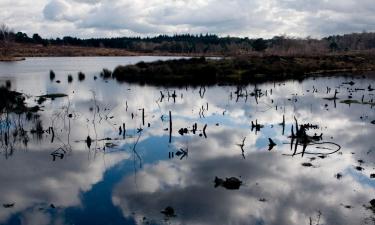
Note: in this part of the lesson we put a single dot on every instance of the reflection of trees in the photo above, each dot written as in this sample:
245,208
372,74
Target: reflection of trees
14,116
6,40
20,123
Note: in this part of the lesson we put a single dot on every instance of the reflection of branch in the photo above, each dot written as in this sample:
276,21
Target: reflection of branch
67,112
204,131
318,220
303,152
242,146
93,122
170,126
135,152
202,91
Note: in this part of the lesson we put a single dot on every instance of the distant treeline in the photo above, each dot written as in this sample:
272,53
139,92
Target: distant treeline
210,43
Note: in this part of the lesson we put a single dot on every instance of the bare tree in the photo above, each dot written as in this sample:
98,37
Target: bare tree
6,40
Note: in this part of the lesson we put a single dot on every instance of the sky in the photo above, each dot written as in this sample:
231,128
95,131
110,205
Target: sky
245,18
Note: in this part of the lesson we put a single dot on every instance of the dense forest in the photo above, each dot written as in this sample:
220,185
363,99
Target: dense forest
208,43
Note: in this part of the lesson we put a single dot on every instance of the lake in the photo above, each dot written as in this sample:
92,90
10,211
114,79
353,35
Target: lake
275,153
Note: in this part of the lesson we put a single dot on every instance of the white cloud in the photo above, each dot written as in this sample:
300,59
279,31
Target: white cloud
87,18
55,10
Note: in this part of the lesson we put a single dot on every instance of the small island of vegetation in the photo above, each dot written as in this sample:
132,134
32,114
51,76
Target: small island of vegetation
240,70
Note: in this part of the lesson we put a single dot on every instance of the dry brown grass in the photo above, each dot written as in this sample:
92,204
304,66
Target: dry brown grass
33,50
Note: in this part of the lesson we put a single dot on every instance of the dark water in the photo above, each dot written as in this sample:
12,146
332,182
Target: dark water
321,175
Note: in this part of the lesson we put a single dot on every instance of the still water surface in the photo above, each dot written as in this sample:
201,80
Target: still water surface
322,174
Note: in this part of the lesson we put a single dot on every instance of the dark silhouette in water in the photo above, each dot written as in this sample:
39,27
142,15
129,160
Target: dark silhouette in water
334,98
306,164
180,153
8,205
12,101
106,73
301,138
88,141
52,75
282,124
8,84
271,144
204,131
170,127
256,126
38,129
70,78
231,183
242,145
58,153
168,212
183,131
81,76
